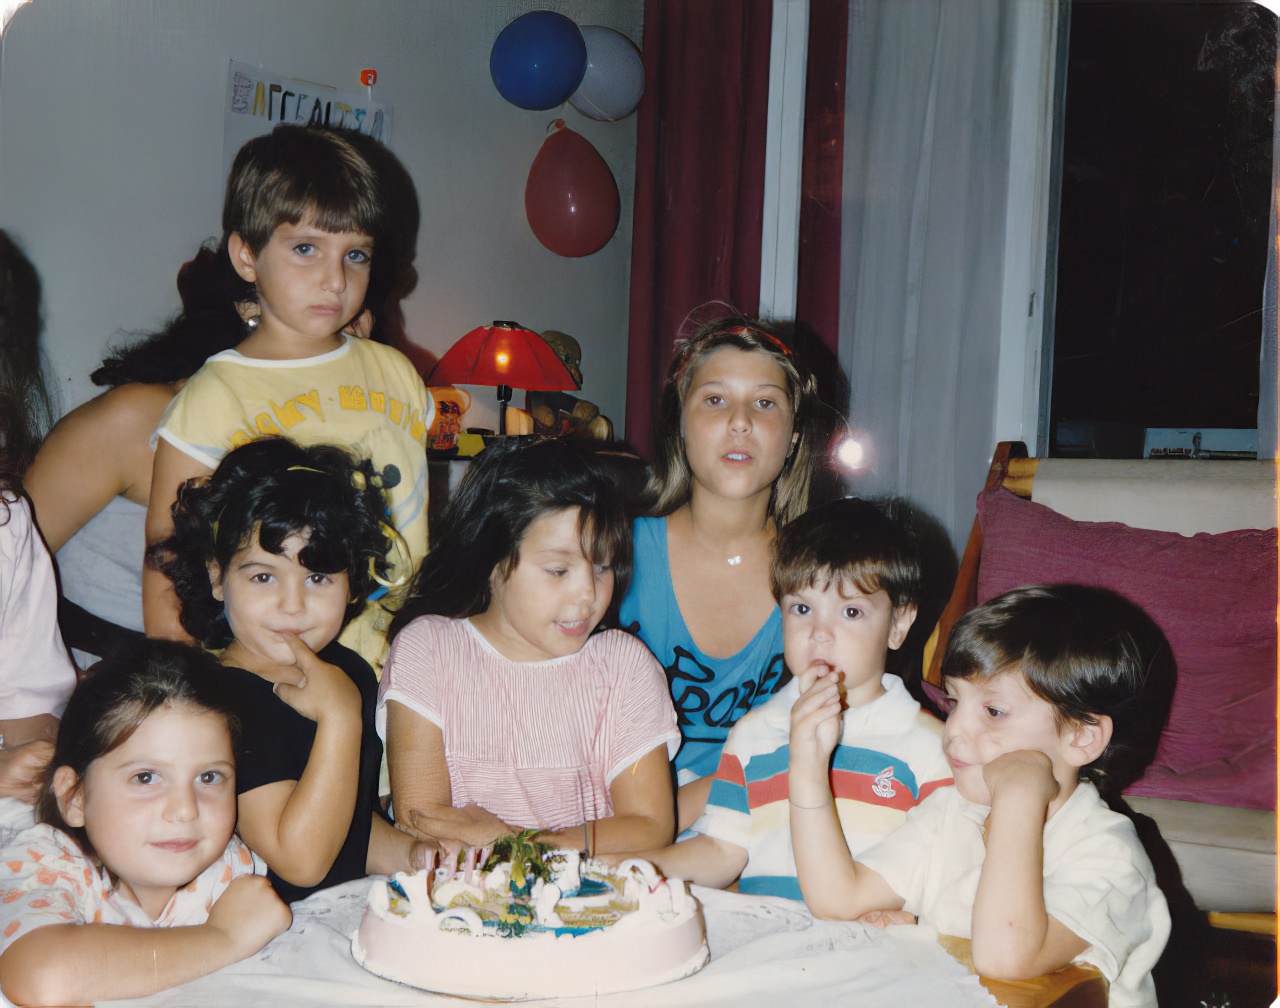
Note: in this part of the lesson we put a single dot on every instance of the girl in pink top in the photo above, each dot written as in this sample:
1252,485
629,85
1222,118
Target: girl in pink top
501,706
132,880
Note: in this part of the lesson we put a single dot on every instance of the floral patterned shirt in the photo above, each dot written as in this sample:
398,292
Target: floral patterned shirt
45,878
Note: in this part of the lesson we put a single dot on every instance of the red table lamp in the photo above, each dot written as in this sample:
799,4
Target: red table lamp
504,354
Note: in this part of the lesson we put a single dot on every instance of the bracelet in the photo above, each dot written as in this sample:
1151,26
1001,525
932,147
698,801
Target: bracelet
809,808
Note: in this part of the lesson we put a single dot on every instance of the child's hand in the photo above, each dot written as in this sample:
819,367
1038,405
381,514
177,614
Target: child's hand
815,717
811,675
313,687
469,826
887,918
22,769
249,914
1023,769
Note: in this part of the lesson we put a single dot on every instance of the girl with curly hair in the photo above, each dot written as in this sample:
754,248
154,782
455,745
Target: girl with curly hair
270,556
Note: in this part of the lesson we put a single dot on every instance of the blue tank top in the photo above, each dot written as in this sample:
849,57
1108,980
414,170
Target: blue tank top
709,694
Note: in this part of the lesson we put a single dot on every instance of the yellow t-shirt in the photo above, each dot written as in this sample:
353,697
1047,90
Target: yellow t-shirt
365,397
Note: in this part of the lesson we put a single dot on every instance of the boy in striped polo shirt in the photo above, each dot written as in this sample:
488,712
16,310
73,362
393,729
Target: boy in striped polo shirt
848,579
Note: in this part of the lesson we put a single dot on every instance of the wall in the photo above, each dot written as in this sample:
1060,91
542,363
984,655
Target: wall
111,163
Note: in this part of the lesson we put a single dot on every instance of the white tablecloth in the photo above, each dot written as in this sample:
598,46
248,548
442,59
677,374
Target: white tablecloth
764,951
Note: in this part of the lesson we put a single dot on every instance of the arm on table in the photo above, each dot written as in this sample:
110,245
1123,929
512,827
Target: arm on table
66,964
702,860
423,799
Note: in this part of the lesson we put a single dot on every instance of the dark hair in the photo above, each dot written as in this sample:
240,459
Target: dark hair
207,324
847,540
670,484
1085,650
296,171
507,488
269,490
25,406
117,695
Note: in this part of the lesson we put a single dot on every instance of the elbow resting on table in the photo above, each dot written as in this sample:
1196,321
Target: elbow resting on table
826,906
28,982
1004,963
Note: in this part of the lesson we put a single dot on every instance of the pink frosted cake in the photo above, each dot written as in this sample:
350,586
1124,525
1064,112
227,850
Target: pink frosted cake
544,924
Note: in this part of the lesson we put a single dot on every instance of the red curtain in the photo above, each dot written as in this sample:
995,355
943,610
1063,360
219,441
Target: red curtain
818,268
699,183
699,179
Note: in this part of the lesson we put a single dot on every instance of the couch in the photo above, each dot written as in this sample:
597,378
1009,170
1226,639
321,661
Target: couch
1194,543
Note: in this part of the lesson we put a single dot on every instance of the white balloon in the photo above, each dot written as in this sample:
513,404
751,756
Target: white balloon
614,82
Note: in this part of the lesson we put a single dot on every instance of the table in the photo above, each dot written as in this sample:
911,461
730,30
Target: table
765,951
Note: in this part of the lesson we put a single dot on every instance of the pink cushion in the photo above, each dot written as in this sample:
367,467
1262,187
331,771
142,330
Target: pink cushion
1214,596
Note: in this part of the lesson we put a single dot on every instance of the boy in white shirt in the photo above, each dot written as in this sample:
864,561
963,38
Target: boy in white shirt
1054,703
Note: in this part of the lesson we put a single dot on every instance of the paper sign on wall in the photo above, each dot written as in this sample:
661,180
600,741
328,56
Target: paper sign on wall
258,101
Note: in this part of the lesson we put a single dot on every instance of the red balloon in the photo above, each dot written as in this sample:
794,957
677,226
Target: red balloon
571,198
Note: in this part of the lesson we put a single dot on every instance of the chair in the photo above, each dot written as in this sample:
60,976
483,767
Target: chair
1064,514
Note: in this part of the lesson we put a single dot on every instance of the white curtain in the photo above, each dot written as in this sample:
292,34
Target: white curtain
927,150
934,327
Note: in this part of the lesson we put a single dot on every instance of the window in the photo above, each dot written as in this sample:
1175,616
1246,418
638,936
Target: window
1164,221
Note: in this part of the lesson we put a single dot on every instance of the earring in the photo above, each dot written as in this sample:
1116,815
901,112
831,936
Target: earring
250,313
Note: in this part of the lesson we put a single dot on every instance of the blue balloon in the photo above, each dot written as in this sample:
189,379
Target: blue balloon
538,60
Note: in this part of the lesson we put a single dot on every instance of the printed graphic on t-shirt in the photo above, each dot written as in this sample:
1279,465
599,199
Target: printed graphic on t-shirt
309,407
696,707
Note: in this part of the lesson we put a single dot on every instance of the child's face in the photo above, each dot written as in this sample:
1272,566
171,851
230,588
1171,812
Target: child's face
159,808
842,628
737,421
310,284
553,598
269,594
998,715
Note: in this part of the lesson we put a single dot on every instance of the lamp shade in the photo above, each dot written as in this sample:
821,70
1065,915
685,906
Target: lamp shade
503,354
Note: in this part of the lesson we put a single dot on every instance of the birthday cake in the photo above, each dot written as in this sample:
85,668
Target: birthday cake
529,922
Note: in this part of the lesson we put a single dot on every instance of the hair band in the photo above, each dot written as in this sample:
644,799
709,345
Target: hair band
761,334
